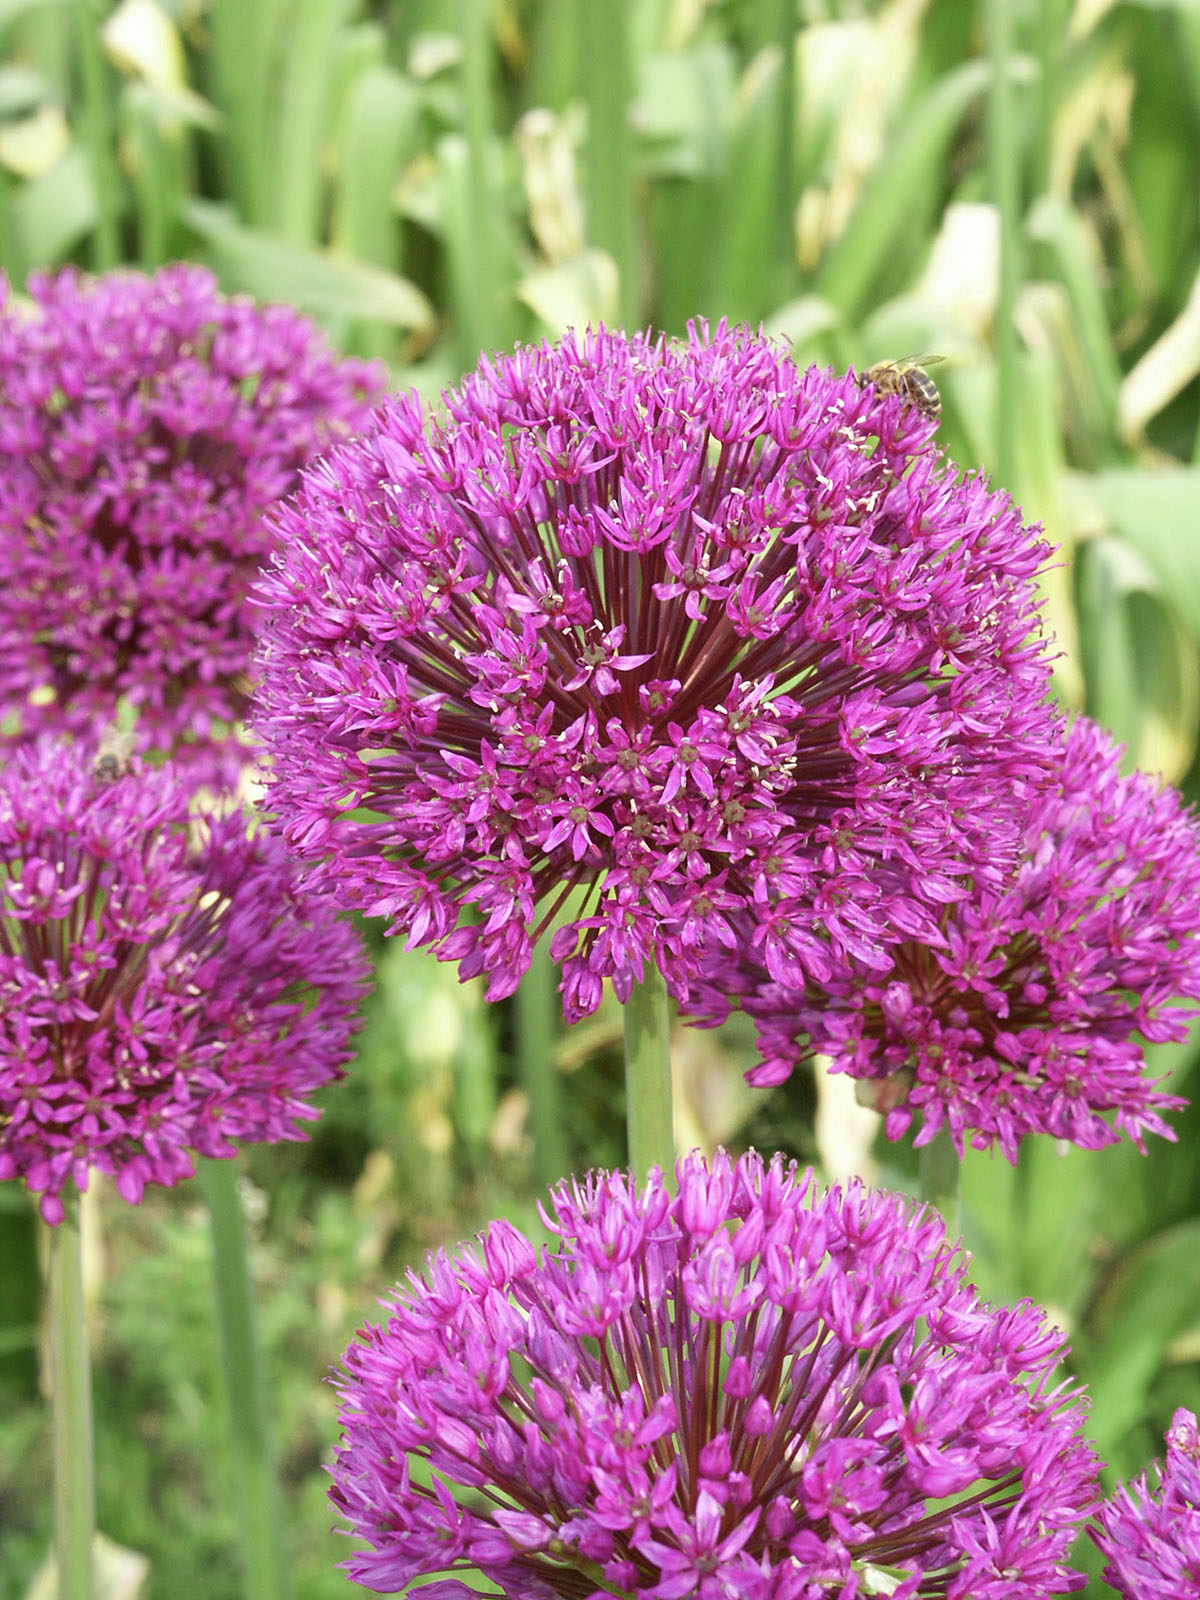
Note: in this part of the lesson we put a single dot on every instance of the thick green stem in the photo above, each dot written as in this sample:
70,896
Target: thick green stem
480,324
21,1298
607,78
1004,183
98,135
940,1173
1050,29
239,61
256,1487
784,242
649,1115
537,1012
70,1378
1021,1205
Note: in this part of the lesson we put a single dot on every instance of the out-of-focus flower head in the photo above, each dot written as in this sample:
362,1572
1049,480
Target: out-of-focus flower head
1150,1529
751,1389
146,423
166,983
1030,1012
669,641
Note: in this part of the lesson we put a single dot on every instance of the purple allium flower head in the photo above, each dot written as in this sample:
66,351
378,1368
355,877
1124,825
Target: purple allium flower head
1152,1536
750,1389
145,426
1030,1012
671,641
166,983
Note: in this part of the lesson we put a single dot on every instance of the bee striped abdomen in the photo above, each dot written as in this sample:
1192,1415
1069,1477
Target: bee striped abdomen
910,381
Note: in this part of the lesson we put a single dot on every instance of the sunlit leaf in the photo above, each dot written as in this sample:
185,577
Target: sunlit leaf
272,269
55,210
141,38
908,166
33,145
120,1574
573,294
1172,361
1155,510
1094,377
1140,660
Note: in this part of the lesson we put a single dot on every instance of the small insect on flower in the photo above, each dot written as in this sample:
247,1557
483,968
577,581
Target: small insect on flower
114,754
908,379
1150,1529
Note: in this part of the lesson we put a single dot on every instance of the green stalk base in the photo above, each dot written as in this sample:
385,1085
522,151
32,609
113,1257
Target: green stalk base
649,1113
940,1173
537,1013
71,1385
256,1486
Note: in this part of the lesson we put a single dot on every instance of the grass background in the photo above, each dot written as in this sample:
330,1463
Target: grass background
1010,186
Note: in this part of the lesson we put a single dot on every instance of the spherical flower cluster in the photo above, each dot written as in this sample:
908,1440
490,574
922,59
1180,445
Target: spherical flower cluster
145,426
1152,1536
166,984
1029,1012
671,642
750,1389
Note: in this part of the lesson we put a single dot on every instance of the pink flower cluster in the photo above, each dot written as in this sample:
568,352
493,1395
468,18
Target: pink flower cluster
167,984
669,644
1029,1011
676,654
750,1389
146,423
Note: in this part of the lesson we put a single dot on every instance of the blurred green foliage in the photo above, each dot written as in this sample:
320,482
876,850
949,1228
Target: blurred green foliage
429,180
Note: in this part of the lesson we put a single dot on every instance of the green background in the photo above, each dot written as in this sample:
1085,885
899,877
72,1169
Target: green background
1010,187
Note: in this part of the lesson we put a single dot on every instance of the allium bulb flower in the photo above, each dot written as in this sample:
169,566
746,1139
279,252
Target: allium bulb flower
146,423
1151,1536
1030,1012
670,642
750,1389
167,985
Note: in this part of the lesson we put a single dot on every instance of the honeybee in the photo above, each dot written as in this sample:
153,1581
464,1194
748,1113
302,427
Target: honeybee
114,755
910,381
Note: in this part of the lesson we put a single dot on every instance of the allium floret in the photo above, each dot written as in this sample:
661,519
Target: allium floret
1031,1011
749,1389
167,985
667,641
146,423
1150,1529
